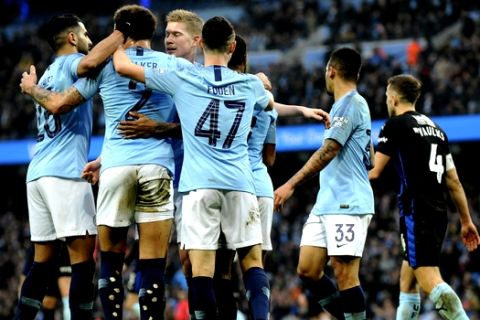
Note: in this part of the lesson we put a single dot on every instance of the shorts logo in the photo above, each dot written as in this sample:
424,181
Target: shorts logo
341,245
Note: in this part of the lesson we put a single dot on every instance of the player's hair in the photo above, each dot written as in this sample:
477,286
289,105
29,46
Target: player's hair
347,62
55,30
239,56
406,86
142,21
192,21
217,34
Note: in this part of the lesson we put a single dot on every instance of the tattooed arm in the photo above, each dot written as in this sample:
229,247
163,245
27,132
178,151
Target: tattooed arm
55,102
319,160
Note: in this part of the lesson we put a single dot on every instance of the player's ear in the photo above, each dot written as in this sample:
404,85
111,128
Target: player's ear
232,46
196,40
72,38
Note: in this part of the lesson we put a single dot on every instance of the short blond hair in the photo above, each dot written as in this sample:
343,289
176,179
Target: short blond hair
192,21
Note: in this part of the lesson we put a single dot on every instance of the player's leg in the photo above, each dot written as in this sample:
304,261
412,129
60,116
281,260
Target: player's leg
200,234
426,230
154,217
43,235
116,207
222,281
242,227
409,300
64,279
265,206
312,260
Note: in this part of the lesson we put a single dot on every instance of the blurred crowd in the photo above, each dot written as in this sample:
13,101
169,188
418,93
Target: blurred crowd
449,70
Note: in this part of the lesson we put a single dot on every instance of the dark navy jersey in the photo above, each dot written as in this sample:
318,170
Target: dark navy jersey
420,151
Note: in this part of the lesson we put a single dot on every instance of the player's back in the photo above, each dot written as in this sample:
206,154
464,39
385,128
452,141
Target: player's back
121,95
422,158
215,106
63,141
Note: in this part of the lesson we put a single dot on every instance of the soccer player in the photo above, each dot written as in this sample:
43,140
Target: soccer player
336,228
215,106
420,151
60,204
136,175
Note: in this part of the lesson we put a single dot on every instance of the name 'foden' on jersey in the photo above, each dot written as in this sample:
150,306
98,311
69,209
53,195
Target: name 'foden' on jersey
222,91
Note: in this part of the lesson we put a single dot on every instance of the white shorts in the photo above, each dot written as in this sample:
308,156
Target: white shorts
137,193
60,208
265,206
206,212
341,235
177,200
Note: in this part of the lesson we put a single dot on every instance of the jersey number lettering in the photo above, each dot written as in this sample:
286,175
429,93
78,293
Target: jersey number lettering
146,94
50,131
436,163
342,234
212,133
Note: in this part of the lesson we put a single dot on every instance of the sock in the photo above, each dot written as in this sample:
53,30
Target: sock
258,293
203,303
189,294
81,294
66,308
447,303
326,294
353,302
152,289
227,305
110,287
48,314
33,290
408,306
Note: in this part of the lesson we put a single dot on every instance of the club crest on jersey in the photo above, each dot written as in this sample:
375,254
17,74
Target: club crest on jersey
339,122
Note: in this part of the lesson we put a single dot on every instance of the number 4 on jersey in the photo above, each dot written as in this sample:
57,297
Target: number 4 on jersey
212,113
436,163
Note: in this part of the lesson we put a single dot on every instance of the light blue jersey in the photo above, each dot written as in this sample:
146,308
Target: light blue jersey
344,184
63,141
121,95
215,106
263,132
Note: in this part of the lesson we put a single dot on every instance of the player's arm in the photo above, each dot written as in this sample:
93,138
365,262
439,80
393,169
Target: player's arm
469,232
142,126
380,160
286,110
269,154
54,102
319,160
100,53
125,67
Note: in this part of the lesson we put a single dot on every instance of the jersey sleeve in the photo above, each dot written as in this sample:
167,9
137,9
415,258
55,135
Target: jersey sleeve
87,87
271,137
342,125
261,94
73,64
386,139
161,80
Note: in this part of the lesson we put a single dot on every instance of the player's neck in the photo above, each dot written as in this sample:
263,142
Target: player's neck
342,88
215,59
404,108
66,49
138,43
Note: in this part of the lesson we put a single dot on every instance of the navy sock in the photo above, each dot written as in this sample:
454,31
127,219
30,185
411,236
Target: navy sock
189,294
326,294
203,303
152,289
33,290
227,306
353,302
81,294
110,287
258,293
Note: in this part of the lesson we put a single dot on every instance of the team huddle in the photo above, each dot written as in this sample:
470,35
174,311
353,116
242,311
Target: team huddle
187,146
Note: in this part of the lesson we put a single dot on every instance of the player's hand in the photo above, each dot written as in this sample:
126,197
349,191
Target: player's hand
140,127
281,195
91,171
266,82
317,114
470,236
29,80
